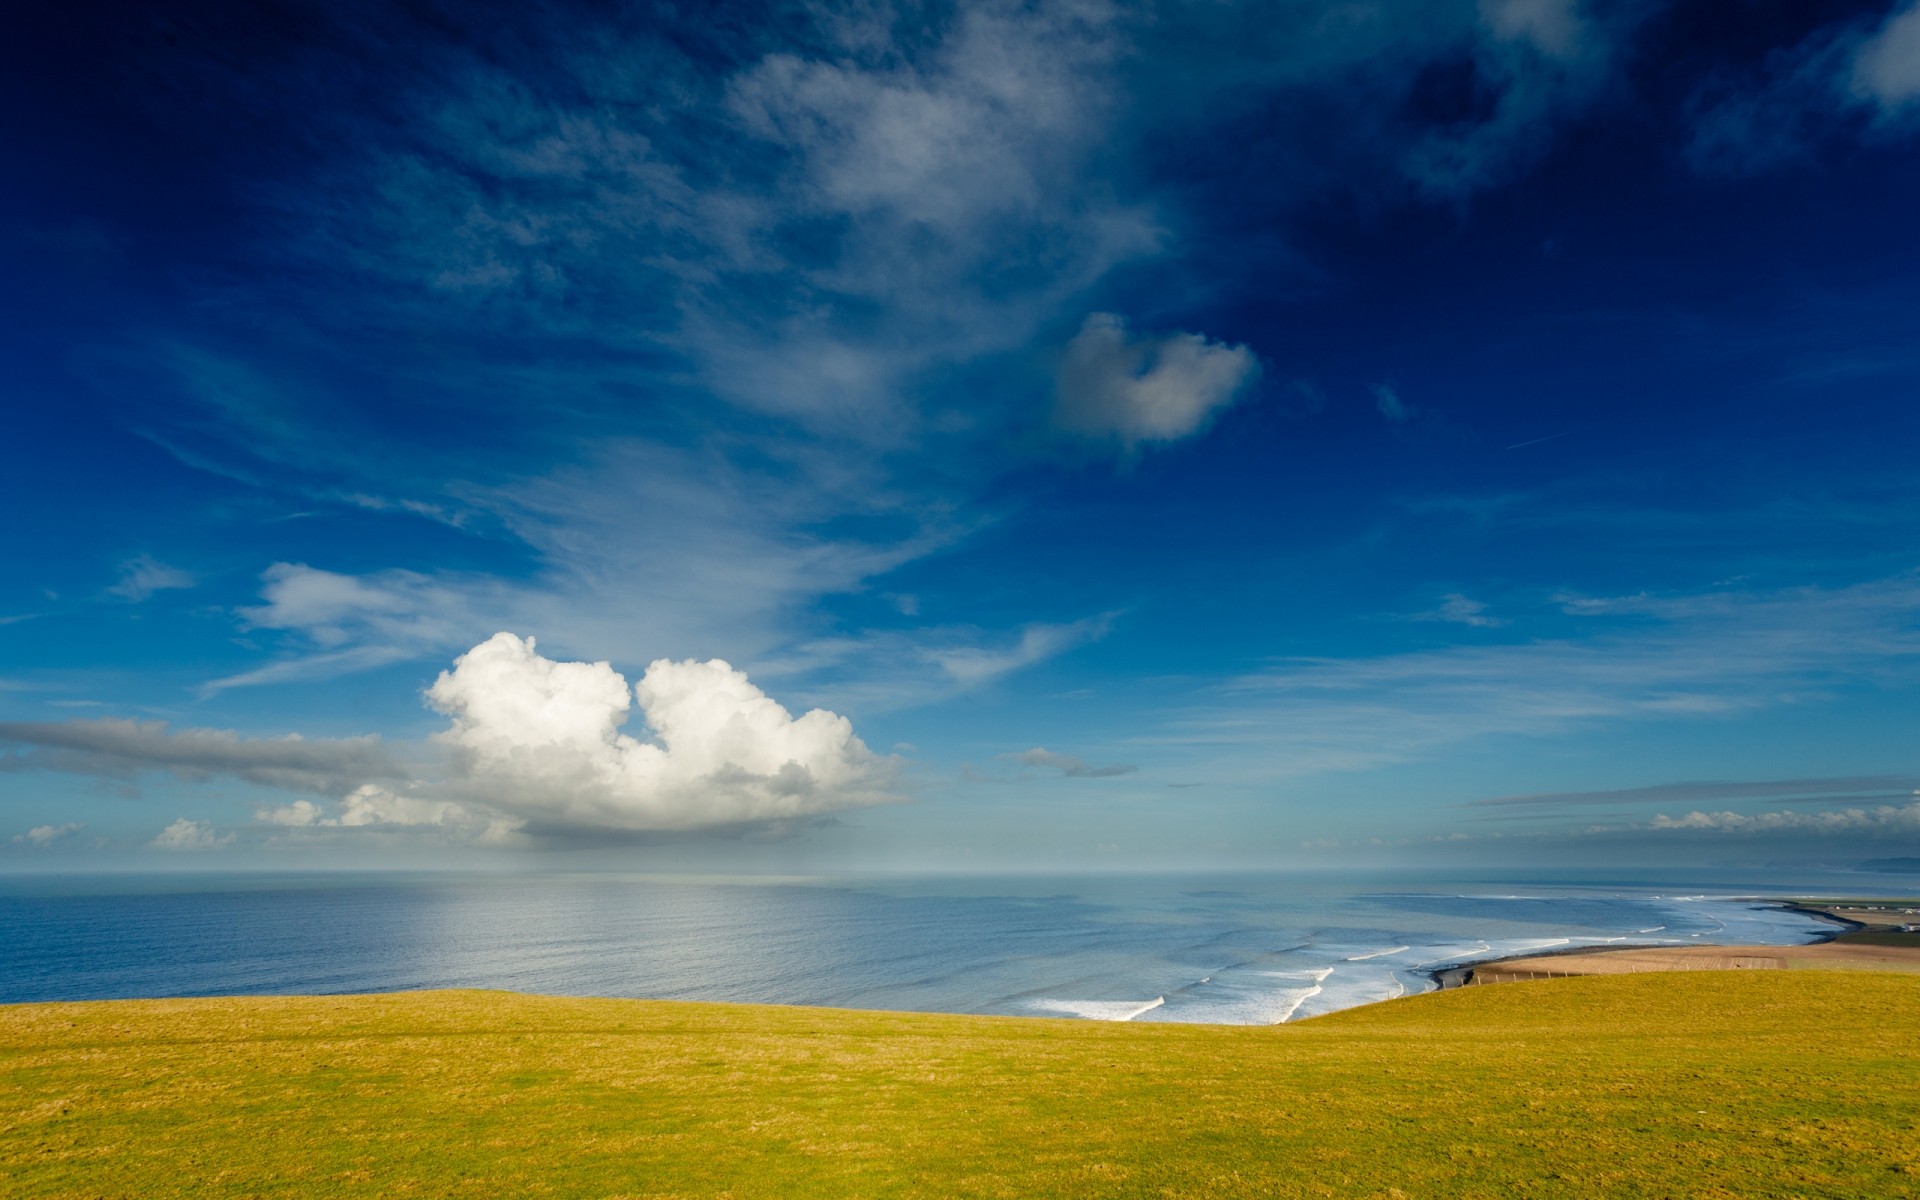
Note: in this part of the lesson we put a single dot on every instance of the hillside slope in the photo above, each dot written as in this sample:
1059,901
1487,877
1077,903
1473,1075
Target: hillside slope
1732,1083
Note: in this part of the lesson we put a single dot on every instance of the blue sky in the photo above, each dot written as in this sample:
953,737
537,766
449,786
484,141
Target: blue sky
1153,435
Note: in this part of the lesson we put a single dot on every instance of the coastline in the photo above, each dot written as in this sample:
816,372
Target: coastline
1636,957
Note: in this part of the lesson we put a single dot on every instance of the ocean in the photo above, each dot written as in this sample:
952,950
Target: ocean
1227,949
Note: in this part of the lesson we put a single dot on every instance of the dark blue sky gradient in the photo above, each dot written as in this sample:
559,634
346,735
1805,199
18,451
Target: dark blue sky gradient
1579,455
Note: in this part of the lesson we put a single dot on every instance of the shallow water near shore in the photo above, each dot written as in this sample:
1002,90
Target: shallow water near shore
1226,949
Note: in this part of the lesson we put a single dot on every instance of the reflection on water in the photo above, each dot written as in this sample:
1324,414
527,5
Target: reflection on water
1159,948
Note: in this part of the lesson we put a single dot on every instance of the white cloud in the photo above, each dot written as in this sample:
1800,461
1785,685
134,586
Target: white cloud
1884,817
736,556
1134,389
971,666
397,606
876,216
1457,609
540,740
299,813
534,744
47,835
374,807
142,576
1886,69
190,835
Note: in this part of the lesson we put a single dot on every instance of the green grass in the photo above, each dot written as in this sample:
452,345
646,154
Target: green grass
1881,937
1733,1083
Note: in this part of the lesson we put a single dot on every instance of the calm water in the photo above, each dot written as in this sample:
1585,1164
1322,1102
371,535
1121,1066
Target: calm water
1159,948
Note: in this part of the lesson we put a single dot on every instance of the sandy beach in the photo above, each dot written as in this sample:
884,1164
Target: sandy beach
1871,952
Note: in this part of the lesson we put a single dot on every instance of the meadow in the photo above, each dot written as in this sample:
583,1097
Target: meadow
1732,1083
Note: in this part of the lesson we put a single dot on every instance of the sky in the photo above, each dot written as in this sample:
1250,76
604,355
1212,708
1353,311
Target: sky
977,436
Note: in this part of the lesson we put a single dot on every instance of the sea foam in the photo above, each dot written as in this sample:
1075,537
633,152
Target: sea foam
1098,1010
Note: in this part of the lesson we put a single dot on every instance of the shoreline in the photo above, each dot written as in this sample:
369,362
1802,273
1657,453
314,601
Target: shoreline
1827,926
1708,956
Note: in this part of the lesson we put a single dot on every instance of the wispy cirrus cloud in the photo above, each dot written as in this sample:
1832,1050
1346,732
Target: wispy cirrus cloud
1644,657
143,575
1855,78
826,266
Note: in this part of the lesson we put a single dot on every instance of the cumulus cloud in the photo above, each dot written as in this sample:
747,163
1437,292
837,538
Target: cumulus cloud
1068,764
142,576
184,834
120,749
1886,69
534,744
1117,385
540,740
47,835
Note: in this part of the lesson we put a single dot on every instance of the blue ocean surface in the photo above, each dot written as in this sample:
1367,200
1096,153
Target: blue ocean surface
1226,949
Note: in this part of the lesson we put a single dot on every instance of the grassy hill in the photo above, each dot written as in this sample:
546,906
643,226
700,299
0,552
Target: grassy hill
1764,1083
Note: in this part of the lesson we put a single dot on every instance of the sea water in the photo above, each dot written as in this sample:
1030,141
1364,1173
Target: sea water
1227,949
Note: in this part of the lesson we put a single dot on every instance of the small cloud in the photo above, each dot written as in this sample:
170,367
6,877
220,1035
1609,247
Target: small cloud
142,576
47,835
1391,406
299,813
971,666
1067,764
190,835
1456,609
1146,388
906,605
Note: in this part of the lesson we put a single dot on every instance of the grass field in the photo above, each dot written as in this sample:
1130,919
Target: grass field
1764,1083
